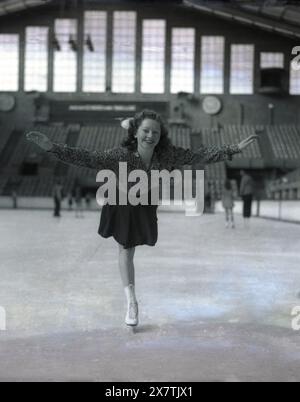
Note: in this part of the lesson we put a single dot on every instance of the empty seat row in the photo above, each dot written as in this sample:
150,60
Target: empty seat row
285,141
229,135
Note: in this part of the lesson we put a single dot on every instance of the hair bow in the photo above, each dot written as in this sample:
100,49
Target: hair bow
126,123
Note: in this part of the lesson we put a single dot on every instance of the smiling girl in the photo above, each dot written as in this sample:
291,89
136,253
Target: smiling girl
147,147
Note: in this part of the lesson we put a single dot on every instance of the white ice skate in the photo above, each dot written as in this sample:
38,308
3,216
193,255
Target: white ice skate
132,316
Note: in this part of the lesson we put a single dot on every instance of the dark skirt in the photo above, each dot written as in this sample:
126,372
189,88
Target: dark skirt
129,225
247,206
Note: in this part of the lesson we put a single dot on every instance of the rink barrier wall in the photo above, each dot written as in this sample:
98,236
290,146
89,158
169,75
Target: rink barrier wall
284,210
46,203
288,211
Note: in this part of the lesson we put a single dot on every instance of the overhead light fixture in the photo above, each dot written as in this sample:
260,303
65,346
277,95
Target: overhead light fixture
56,44
73,44
89,43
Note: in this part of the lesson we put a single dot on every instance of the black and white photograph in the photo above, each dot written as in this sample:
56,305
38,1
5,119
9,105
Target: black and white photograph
149,193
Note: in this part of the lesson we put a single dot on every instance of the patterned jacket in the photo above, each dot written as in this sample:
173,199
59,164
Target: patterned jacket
173,158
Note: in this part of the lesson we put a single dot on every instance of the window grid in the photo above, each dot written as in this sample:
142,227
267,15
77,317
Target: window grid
9,65
271,60
242,69
153,56
65,59
183,60
124,52
36,59
94,60
212,65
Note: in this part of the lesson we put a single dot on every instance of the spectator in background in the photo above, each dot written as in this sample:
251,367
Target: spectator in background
57,196
228,203
210,199
207,202
246,192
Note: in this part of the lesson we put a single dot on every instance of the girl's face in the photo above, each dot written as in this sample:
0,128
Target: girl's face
148,134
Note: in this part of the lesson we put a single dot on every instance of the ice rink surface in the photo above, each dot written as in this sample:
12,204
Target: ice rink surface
215,303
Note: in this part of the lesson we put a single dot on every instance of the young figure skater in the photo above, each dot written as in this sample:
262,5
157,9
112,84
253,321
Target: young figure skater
228,203
147,147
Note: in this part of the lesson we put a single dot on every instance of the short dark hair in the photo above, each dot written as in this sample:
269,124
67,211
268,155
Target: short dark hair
130,142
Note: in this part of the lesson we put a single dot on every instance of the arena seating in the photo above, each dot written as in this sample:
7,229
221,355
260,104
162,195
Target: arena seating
285,141
98,138
3,181
232,135
4,136
180,136
294,176
235,134
24,149
215,175
31,185
110,136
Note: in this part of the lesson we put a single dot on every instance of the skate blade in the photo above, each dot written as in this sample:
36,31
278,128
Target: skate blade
132,329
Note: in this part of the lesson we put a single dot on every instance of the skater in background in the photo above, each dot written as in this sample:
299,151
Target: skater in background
213,197
209,198
147,147
228,203
57,197
88,201
246,192
70,201
14,197
78,201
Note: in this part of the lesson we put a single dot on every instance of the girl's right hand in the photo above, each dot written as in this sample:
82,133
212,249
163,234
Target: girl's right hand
40,139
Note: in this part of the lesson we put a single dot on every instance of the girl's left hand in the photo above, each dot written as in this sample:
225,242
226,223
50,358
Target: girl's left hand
248,141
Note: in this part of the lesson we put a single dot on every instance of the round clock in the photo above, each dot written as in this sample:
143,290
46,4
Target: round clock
212,105
7,103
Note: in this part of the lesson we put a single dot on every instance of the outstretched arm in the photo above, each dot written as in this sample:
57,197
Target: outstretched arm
70,155
211,154
79,156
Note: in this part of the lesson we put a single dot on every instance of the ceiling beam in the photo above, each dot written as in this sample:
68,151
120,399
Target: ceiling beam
238,15
12,6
